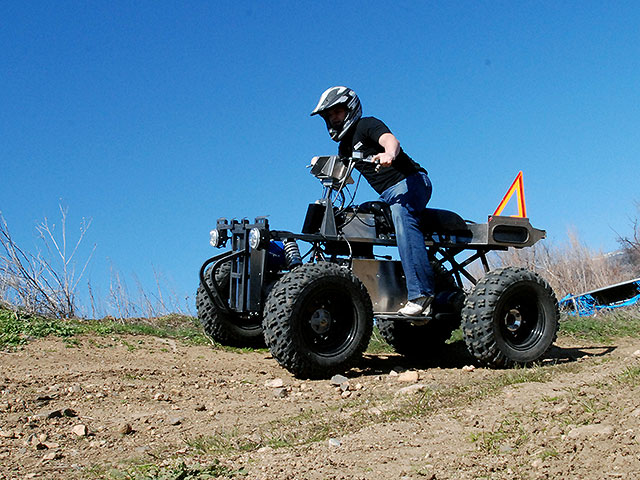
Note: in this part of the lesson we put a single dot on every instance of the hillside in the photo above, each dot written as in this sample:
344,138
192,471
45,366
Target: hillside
114,405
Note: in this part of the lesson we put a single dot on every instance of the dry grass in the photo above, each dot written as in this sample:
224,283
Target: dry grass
571,267
47,282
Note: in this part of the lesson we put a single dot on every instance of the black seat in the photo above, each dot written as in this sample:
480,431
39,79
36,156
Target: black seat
380,209
432,220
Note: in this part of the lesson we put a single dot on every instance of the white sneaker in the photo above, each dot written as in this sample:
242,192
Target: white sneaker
417,307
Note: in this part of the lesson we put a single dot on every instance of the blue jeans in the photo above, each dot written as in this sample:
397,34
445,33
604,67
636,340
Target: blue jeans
407,199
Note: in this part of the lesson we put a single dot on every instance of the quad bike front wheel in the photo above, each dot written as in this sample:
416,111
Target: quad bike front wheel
318,320
226,328
510,318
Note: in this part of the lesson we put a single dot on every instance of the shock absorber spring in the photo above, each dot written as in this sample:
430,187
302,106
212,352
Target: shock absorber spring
292,253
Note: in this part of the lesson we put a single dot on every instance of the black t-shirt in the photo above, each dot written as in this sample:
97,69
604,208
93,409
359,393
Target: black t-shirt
366,132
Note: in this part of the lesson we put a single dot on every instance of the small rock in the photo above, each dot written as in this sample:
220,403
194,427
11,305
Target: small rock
346,394
590,431
52,456
125,429
38,416
54,414
561,409
80,430
408,377
74,389
468,368
175,420
7,434
505,449
281,393
334,442
69,412
275,383
555,431
393,373
411,389
537,463
200,408
338,380
636,354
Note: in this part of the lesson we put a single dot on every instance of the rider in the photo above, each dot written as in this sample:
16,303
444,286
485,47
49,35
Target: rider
400,182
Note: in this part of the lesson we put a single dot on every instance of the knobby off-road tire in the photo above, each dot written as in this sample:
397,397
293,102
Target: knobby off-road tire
226,328
422,342
510,318
318,320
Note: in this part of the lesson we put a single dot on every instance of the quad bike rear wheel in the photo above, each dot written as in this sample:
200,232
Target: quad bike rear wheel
421,342
226,328
318,320
510,318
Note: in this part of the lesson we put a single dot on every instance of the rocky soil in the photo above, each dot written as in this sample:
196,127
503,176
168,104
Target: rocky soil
145,407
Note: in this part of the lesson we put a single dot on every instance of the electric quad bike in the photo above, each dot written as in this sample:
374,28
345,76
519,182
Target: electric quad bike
316,311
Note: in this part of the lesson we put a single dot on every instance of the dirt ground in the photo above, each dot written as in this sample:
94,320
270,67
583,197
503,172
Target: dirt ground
144,407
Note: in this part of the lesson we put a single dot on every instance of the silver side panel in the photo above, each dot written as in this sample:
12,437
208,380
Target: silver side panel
385,282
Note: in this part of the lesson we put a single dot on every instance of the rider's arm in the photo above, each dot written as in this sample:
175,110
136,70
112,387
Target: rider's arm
391,149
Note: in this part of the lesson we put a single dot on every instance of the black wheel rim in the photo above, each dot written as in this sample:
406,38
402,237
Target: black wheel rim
520,318
248,323
328,321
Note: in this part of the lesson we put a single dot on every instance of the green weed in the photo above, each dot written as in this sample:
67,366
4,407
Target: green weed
222,443
18,328
549,453
604,326
377,344
524,375
631,376
507,434
176,471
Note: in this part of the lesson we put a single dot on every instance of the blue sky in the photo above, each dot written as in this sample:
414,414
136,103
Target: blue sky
155,118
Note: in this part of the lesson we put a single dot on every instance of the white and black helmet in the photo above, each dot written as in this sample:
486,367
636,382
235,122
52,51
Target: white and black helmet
333,97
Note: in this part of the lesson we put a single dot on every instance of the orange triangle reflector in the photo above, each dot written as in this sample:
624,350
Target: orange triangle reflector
516,187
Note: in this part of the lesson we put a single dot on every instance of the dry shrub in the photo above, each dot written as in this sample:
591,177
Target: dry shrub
46,282
571,267
631,244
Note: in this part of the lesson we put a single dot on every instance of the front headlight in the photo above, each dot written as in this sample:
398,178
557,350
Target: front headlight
214,238
255,238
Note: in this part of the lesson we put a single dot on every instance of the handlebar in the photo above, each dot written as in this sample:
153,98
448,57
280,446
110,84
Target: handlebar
336,168
335,173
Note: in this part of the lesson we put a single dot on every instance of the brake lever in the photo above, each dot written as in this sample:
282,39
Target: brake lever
371,160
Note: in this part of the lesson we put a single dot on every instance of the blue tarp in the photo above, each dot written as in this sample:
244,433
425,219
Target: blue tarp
586,304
